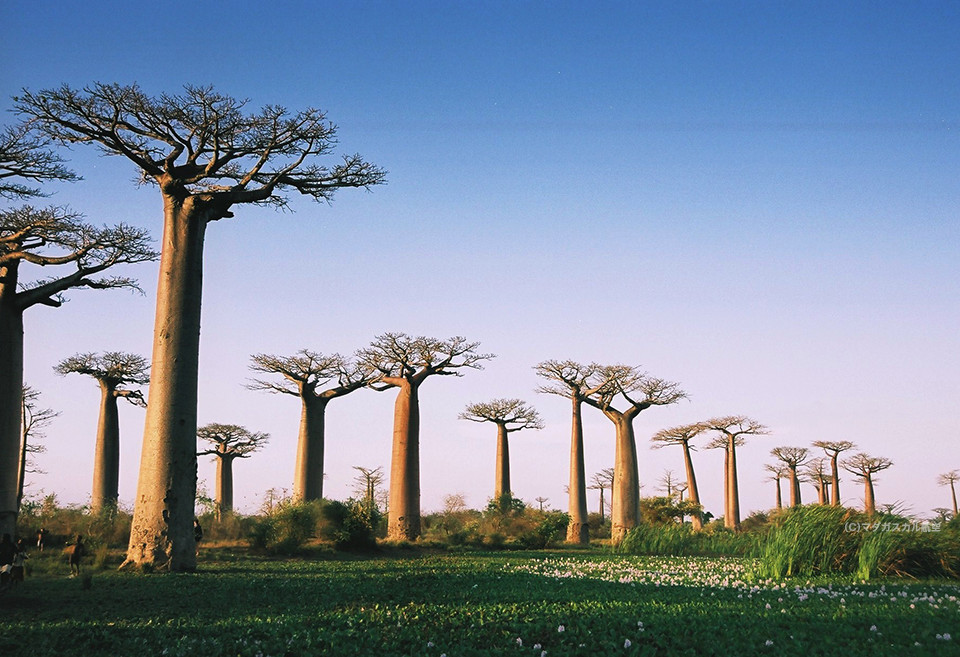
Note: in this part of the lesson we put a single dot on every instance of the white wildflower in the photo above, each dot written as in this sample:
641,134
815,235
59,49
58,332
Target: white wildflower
627,644
560,628
768,643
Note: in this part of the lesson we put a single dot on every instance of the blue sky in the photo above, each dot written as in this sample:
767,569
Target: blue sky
756,199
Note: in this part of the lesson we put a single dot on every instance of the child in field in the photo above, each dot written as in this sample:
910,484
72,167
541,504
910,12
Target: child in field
76,553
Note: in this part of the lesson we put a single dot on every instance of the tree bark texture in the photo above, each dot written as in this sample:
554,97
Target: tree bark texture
162,532
578,529
794,487
308,476
403,522
835,473
732,519
11,399
625,512
869,502
696,520
106,462
503,464
224,485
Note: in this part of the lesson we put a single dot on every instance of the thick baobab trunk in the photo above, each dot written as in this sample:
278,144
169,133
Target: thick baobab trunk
106,462
625,513
11,400
794,486
733,516
308,476
696,520
404,514
502,488
162,530
869,502
821,491
578,529
224,486
835,476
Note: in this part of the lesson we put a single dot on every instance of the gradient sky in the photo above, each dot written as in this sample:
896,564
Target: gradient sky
758,200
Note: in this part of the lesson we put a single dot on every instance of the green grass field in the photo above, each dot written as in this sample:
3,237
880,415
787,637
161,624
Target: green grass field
517,604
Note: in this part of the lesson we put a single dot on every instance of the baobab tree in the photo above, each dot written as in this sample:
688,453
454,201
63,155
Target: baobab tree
834,448
777,472
682,435
229,442
573,380
366,486
950,479
33,420
639,391
731,430
316,379
56,240
405,362
816,472
205,154
602,481
25,155
509,416
863,467
114,371
792,458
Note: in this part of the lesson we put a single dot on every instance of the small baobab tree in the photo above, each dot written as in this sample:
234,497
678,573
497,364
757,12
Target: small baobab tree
863,467
405,362
950,479
833,449
114,371
602,481
228,443
206,154
509,416
316,379
572,380
33,420
668,483
638,392
816,473
682,435
777,472
792,458
54,240
366,486
730,431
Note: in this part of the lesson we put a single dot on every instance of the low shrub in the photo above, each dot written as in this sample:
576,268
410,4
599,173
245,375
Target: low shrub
287,528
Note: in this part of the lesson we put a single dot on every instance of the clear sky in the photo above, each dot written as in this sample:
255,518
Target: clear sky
758,200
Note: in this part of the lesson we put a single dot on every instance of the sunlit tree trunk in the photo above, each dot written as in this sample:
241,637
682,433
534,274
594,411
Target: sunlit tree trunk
696,520
779,495
502,488
794,486
106,462
11,398
404,514
578,530
733,516
869,501
835,476
308,476
162,531
953,493
625,513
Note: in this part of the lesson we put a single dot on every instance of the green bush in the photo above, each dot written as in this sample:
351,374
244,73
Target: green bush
287,528
680,540
351,525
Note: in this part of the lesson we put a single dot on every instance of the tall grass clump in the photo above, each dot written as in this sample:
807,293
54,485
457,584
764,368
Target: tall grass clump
900,552
681,540
287,528
809,540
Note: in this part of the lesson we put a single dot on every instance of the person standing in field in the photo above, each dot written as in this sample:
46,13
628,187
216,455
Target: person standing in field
19,565
41,538
76,553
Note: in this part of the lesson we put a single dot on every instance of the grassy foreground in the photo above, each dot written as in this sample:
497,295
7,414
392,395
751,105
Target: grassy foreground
563,603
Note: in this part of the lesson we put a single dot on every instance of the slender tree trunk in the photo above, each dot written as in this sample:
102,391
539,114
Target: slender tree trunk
161,535
869,502
224,485
779,495
835,476
502,488
821,491
727,514
106,462
794,486
953,492
602,511
625,514
578,529
403,522
22,465
734,489
308,476
11,399
696,520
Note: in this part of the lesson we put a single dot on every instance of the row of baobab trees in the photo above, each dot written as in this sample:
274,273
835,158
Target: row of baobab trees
206,154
